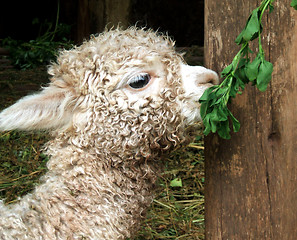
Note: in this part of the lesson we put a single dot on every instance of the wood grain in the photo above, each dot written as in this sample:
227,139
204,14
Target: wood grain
251,180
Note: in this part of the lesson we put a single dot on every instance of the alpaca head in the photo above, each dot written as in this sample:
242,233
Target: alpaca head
126,92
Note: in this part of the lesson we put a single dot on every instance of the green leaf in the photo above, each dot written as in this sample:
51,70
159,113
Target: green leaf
203,109
177,182
198,138
243,61
294,4
235,122
222,114
221,91
224,130
206,124
253,26
214,115
213,125
207,95
239,39
271,7
227,70
237,86
241,77
207,100
232,92
252,69
264,76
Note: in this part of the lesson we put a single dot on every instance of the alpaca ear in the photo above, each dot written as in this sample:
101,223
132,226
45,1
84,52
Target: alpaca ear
52,108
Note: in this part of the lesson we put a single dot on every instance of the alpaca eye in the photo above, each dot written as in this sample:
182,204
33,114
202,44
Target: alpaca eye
140,81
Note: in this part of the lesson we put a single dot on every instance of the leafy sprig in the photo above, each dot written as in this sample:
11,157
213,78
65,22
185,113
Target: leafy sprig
43,49
294,4
214,111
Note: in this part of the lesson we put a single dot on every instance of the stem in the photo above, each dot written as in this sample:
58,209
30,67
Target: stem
262,8
235,63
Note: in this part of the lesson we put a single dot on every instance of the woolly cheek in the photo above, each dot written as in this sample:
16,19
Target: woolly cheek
190,106
191,112
141,98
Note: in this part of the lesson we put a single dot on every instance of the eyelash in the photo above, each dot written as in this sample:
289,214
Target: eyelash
140,81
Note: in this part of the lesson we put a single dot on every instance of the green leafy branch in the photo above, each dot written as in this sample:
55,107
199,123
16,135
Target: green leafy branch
214,111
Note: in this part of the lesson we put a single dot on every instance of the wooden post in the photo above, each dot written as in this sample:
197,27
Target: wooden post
95,15
251,180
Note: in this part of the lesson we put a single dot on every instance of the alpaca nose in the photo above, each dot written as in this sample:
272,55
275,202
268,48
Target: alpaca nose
196,77
206,76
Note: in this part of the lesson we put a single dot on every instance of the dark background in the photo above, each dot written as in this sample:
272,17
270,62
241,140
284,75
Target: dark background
183,20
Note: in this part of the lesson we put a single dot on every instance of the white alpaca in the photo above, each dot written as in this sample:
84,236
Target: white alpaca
115,106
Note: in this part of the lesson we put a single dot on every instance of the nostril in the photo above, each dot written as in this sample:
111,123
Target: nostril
213,78
198,76
208,77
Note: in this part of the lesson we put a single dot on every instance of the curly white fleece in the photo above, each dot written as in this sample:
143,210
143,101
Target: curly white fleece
108,138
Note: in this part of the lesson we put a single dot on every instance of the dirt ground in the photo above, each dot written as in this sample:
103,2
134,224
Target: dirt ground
16,83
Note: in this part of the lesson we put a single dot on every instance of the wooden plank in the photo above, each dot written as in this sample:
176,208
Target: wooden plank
95,15
83,21
251,180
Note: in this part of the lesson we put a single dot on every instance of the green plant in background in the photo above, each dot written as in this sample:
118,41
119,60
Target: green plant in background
41,50
214,111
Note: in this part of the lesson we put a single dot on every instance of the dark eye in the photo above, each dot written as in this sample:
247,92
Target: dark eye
140,81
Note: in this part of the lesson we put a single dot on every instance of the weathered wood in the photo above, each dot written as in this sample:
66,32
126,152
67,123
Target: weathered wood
94,15
251,180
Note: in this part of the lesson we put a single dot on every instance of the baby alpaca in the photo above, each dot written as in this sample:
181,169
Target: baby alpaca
115,105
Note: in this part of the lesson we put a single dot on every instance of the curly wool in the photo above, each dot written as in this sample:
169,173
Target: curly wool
105,154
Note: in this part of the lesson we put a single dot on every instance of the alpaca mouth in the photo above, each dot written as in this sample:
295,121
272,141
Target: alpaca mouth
191,112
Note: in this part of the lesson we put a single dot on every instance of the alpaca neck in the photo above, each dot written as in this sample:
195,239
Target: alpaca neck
115,197
83,197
